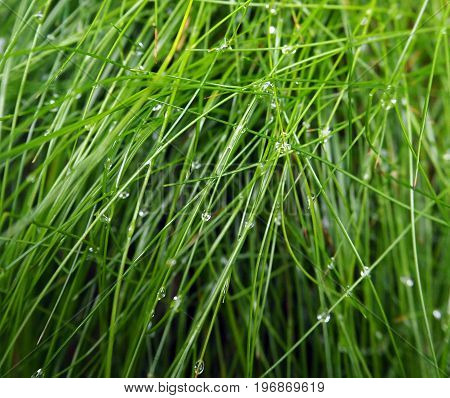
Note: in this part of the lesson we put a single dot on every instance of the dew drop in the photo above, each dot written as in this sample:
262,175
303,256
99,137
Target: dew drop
171,262
324,133
282,147
161,293
324,317
143,212
105,219
156,107
365,272
266,87
39,373
196,165
124,195
39,16
331,264
199,367
206,216
277,219
288,50
437,314
407,281
272,30
348,291
249,224
272,10
107,164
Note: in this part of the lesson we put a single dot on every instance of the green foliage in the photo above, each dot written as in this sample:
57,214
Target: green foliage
252,188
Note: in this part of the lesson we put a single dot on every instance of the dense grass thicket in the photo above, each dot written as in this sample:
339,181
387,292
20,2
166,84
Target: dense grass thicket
224,188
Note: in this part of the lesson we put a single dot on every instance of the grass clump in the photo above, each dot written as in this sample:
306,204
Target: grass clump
225,188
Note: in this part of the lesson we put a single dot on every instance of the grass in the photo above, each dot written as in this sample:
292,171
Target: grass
252,188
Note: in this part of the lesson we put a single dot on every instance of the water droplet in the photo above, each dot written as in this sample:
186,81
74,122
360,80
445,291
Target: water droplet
277,219
124,195
206,216
331,264
446,156
196,165
199,367
288,50
224,292
38,373
324,317
156,107
272,10
105,219
171,262
51,37
282,147
225,45
91,250
437,314
161,293
365,272
272,30
143,212
325,133
266,86
364,21
39,16
140,44
348,291
249,224
407,281
306,125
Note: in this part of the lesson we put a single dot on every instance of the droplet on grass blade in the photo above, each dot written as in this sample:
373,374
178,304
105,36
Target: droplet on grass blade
124,195
324,317
272,30
365,272
282,147
156,107
407,281
331,264
39,17
171,262
249,224
272,10
161,293
199,367
206,216
437,314
142,212
288,50
39,373
325,133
